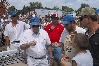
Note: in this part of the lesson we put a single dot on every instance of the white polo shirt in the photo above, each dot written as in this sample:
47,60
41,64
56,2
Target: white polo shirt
66,33
14,33
42,39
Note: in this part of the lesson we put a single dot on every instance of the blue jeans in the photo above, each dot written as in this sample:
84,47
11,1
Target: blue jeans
57,53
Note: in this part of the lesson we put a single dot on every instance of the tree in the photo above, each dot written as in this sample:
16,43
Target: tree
35,5
47,8
12,8
83,5
67,9
25,9
55,8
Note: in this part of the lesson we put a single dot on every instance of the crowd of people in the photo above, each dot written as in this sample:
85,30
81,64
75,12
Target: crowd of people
54,41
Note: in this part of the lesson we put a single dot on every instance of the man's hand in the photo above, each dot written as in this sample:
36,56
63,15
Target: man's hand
72,34
50,62
32,43
55,44
63,62
65,59
8,48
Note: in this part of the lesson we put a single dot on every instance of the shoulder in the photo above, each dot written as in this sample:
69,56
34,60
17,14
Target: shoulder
42,31
8,25
64,31
78,59
21,22
27,31
61,25
80,30
48,25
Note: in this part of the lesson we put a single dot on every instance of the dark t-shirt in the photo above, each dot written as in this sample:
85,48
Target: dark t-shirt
94,46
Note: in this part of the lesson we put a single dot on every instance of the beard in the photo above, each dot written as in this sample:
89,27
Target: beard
70,29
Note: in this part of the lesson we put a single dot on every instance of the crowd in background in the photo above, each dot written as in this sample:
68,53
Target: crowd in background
58,32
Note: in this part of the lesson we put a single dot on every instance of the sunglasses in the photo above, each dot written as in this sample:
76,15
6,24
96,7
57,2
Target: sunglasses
65,24
55,18
14,15
82,17
35,26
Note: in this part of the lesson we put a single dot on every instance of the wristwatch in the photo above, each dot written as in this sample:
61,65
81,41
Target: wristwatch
52,57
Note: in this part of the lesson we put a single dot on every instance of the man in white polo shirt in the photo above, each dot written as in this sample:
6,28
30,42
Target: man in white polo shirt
36,41
13,31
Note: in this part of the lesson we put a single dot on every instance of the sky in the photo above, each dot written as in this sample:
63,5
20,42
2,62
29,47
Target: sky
75,4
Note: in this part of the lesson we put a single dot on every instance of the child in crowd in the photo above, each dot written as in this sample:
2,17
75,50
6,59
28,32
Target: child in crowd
83,58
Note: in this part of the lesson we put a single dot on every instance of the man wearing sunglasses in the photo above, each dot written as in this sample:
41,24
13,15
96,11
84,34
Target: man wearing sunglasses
36,41
89,20
13,31
65,39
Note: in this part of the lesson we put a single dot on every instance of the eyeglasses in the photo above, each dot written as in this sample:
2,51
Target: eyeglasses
14,15
82,17
55,18
35,26
65,24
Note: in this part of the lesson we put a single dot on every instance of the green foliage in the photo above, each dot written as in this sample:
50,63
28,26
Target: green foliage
83,5
25,10
37,5
67,9
12,8
32,5
55,8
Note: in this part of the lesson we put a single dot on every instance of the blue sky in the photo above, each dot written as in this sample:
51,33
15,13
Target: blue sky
75,4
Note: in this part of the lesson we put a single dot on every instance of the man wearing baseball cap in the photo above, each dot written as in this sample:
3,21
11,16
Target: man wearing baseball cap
13,31
36,41
65,39
89,20
54,31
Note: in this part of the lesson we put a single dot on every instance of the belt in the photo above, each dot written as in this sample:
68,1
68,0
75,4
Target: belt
38,58
16,41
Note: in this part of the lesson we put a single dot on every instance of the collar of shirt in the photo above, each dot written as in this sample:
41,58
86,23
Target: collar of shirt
34,33
88,34
96,32
16,24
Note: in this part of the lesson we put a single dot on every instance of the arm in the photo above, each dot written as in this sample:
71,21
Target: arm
49,48
61,44
74,63
24,46
6,36
62,38
48,45
7,40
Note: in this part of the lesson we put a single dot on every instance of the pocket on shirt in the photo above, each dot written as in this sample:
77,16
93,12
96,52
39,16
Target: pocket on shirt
43,42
